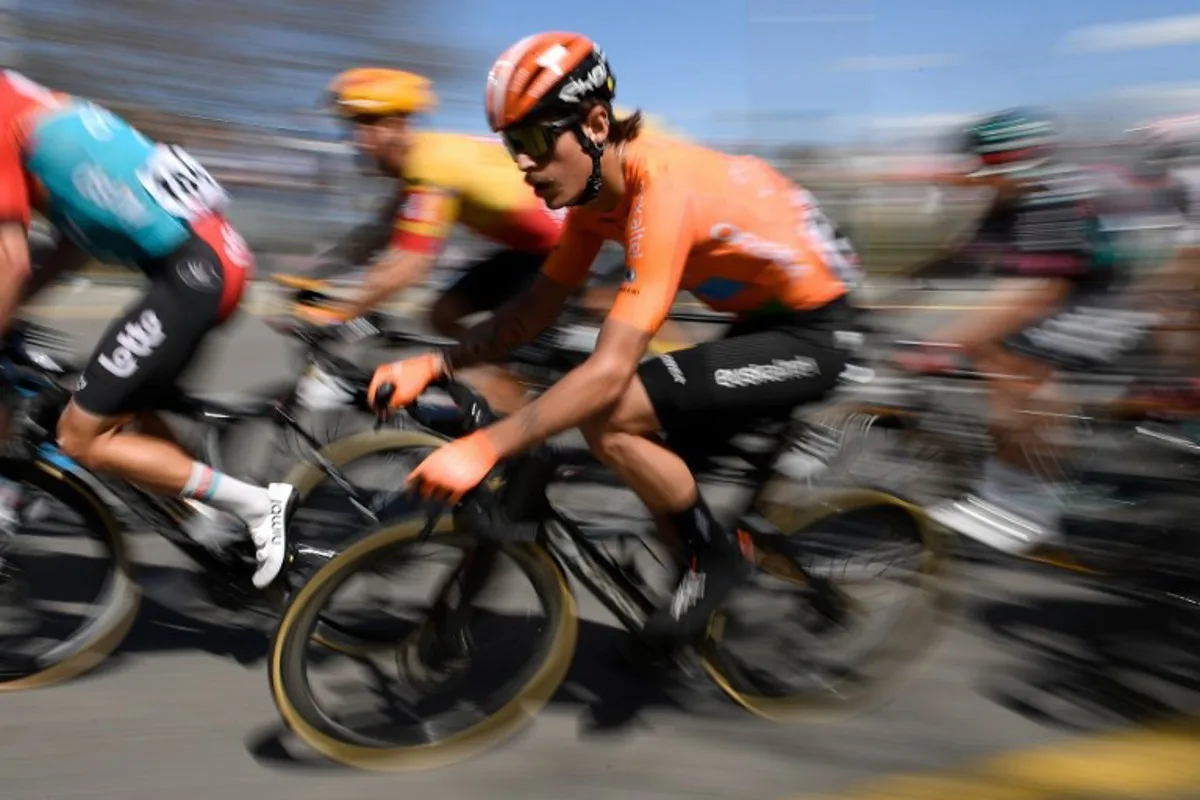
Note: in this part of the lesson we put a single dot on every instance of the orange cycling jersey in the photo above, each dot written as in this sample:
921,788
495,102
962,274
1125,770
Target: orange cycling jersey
452,178
729,229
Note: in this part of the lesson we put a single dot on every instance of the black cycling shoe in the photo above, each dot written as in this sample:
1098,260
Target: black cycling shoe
703,588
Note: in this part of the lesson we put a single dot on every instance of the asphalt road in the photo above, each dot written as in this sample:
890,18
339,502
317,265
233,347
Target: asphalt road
183,709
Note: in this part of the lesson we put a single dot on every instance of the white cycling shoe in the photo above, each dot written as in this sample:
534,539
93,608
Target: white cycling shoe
270,534
1013,511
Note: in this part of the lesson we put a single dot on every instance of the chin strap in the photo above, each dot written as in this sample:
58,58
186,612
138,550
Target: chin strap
594,181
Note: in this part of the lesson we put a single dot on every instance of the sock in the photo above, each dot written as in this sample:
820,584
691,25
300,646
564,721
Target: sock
245,501
698,529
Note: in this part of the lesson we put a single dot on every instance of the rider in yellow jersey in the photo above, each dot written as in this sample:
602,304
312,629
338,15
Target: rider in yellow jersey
446,179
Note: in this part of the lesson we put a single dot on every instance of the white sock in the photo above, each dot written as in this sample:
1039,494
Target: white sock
245,501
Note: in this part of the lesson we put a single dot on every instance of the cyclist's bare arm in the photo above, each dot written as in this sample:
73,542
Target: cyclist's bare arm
596,384
520,320
1012,305
398,269
516,323
14,269
639,311
361,244
425,218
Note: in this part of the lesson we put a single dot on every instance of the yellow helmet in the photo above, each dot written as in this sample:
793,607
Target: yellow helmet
376,91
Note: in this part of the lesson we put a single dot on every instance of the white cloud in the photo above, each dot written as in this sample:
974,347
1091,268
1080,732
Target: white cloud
1140,35
1165,96
917,124
894,63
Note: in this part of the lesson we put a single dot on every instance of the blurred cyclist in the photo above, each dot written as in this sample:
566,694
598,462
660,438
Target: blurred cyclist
1170,189
446,179
1050,239
731,230
120,198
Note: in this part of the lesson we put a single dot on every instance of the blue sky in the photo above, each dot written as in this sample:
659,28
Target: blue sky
838,68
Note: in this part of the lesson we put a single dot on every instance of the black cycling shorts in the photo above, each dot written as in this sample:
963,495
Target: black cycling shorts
486,285
140,358
762,368
1089,331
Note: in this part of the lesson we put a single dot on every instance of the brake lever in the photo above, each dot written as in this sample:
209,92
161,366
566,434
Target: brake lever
437,508
383,398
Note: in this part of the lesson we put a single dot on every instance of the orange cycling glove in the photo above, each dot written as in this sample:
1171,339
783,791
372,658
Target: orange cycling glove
410,377
456,468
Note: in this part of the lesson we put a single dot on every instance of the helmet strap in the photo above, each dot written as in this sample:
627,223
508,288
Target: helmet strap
594,181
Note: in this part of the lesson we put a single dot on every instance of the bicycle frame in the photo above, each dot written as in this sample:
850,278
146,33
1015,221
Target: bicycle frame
521,511
167,516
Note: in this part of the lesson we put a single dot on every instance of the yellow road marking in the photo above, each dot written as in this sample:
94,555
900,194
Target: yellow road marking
1147,763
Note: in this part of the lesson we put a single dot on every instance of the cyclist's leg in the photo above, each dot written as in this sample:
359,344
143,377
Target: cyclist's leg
138,362
1018,502
742,377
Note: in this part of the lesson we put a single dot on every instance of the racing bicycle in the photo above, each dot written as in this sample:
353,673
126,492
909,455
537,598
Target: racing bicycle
471,668
56,515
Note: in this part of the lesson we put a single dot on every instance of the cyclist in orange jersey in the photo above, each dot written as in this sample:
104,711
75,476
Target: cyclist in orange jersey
729,229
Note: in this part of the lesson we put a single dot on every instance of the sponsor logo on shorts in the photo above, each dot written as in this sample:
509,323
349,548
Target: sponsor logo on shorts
201,275
673,368
1099,334
138,340
777,371
690,592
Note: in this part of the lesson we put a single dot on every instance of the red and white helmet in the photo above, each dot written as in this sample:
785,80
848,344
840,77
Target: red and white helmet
546,72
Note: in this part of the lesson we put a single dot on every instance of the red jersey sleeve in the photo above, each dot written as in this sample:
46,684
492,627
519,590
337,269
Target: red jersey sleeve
14,183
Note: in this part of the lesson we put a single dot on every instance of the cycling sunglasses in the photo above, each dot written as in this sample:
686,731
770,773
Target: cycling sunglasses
535,140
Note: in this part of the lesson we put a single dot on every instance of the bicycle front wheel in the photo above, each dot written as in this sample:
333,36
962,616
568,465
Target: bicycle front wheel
67,598
443,691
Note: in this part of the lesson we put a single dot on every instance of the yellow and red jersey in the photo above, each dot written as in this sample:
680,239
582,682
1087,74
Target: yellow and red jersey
455,179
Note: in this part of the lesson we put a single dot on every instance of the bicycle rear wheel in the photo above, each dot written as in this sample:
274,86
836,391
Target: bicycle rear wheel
48,640
799,580
412,707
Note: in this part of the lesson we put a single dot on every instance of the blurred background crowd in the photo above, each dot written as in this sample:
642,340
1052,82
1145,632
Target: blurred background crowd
836,94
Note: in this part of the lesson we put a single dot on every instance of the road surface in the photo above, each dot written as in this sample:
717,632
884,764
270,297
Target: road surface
1010,705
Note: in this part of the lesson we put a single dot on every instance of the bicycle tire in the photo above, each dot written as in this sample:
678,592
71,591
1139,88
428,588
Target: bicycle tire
910,639
307,476
293,696
93,643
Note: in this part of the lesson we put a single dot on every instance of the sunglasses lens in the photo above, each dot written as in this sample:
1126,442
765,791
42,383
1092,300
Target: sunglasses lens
534,141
